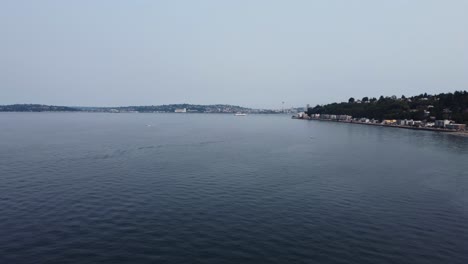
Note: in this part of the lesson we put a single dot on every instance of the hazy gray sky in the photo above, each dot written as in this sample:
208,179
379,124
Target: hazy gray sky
253,53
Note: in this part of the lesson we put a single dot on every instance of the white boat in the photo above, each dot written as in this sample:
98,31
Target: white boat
240,114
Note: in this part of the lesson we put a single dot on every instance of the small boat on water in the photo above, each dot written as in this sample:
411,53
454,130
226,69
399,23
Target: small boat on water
240,114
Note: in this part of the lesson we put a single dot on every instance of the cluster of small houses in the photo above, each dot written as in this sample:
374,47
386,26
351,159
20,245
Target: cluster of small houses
444,124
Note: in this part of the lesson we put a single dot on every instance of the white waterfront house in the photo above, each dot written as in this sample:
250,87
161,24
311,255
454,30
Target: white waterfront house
442,123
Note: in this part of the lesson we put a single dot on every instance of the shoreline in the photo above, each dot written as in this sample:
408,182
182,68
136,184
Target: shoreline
447,131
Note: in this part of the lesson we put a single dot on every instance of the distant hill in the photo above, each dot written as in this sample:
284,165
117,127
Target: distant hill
452,106
36,108
218,108
170,108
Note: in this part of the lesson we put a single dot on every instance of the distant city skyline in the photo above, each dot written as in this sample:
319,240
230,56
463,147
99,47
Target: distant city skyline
255,54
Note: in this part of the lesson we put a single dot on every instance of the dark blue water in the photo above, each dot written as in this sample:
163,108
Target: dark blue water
193,188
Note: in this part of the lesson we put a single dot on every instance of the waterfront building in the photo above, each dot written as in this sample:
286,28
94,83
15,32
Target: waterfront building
456,126
302,115
405,122
181,110
344,117
441,123
389,122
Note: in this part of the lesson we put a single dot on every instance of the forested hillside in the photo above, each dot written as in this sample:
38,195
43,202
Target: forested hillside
452,106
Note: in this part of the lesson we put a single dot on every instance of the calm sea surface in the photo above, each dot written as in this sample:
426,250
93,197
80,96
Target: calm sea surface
214,188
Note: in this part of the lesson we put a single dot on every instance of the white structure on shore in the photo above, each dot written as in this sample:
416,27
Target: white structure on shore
181,110
442,123
344,117
456,126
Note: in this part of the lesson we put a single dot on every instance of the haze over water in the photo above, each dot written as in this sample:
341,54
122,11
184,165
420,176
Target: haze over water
201,188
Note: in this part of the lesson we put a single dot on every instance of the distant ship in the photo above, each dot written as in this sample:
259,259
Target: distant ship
240,114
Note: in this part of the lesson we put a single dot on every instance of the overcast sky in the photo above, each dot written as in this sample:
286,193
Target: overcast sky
254,53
